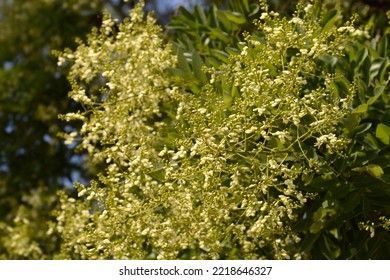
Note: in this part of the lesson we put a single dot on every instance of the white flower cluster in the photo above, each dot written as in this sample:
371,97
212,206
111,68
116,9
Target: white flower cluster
184,173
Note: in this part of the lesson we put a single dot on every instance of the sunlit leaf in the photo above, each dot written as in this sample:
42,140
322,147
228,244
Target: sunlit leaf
235,17
383,133
361,109
372,169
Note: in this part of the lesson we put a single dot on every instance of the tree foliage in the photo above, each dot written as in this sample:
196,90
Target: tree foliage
34,163
236,133
245,147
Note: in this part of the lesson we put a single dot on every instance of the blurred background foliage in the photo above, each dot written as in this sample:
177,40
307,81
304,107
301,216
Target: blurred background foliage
35,163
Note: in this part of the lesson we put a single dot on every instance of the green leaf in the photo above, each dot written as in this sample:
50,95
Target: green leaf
221,55
375,67
371,141
199,12
235,17
212,61
352,201
329,20
382,46
219,34
307,178
182,62
254,9
235,92
302,225
337,191
377,92
186,13
363,128
227,100
366,70
322,212
362,57
374,244
350,123
275,143
325,246
372,49
361,109
316,227
246,5
177,72
232,51
158,175
320,184
383,133
383,70
341,164
197,65
309,241
372,169
328,59
362,91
